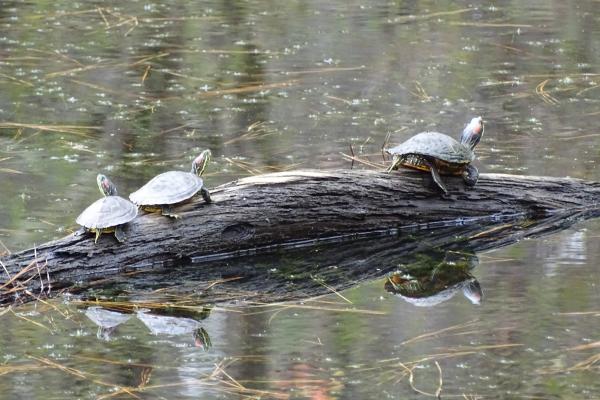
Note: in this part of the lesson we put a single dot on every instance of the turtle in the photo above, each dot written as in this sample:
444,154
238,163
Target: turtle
109,213
173,187
438,153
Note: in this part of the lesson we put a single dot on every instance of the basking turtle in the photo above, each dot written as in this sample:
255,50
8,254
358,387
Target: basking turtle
173,187
441,154
109,213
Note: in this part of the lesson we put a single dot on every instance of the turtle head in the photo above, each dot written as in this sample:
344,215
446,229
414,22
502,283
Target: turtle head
200,162
106,186
472,291
472,133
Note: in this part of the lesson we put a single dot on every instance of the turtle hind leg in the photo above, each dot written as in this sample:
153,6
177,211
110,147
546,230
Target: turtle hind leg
167,211
436,175
120,234
205,195
470,175
98,233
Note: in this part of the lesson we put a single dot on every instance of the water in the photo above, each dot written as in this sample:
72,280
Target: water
132,89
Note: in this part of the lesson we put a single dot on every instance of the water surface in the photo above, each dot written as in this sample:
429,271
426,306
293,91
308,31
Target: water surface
135,88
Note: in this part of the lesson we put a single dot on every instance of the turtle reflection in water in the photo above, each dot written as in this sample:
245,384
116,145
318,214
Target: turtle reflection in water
106,320
432,280
440,154
174,326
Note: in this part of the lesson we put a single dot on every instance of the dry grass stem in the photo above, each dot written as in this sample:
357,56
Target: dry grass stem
248,89
31,321
11,171
109,90
544,95
347,102
594,313
490,25
439,332
587,89
413,18
178,74
364,161
16,80
420,93
146,73
245,166
587,346
257,130
71,129
309,307
592,362
58,55
493,230
332,289
6,369
591,135
438,392
411,381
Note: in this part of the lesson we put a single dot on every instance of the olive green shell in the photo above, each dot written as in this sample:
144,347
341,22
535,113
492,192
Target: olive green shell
437,145
167,188
107,212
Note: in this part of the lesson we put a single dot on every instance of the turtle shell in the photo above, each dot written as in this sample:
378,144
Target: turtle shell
437,145
167,188
107,212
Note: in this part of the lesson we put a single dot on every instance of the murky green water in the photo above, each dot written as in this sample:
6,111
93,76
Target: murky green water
135,88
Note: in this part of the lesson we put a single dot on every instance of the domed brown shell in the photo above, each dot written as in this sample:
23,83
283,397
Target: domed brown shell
437,145
167,188
107,212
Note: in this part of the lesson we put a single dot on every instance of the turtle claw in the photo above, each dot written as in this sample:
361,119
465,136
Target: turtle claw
168,212
470,175
205,195
120,234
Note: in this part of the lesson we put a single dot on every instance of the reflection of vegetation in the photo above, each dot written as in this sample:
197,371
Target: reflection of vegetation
435,277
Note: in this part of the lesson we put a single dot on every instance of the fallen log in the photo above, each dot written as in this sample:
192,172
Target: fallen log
292,209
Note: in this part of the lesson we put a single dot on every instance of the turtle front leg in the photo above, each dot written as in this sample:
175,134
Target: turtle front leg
436,175
395,163
98,233
205,195
470,175
167,211
120,234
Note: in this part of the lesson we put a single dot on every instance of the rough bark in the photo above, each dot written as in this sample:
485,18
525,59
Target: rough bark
298,208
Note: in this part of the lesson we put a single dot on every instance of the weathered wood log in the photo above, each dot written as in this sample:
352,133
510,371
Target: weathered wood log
272,211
